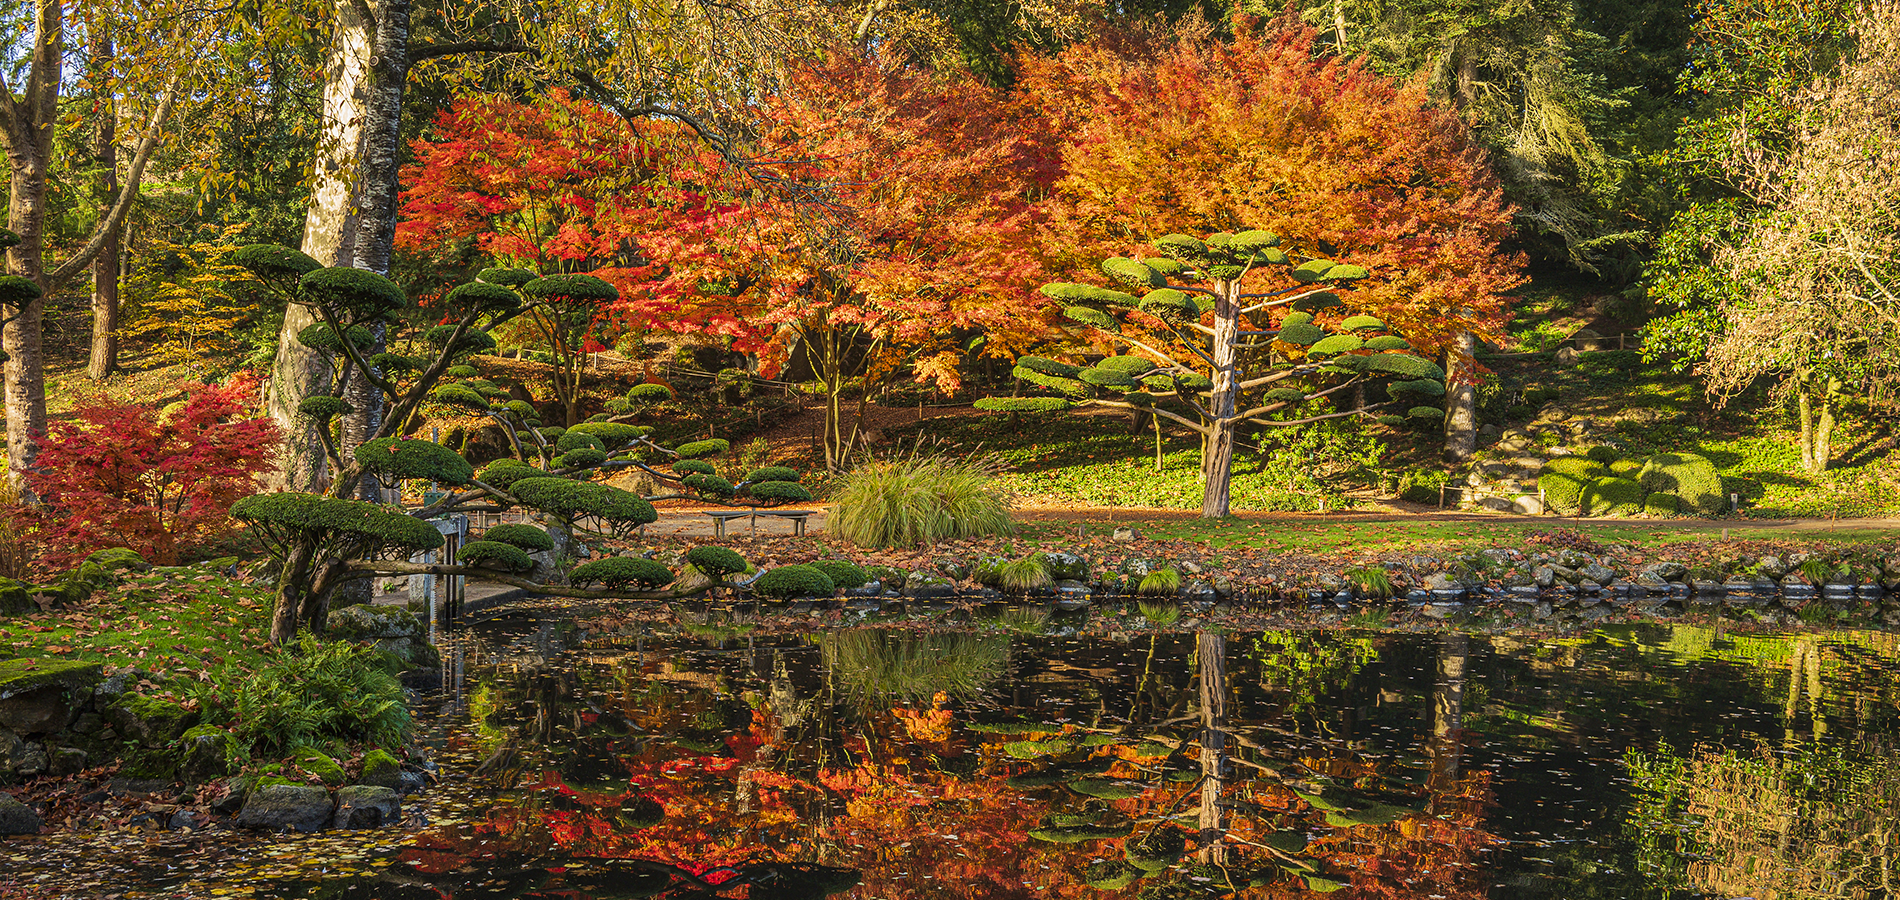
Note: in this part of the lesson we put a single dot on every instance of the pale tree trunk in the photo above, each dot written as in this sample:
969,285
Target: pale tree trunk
328,237
1461,399
28,132
1217,457
1210,650
105,269
1815,408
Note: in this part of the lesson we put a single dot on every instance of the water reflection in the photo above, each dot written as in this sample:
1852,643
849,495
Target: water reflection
1655,762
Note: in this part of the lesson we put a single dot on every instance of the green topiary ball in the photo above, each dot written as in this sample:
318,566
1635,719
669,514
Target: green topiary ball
694,467
505,472
494,555
412,458
844,574
1335,344
710,485
571,499
773,473
527,537
620,571
1693,479
716,562
1022,404
575,440
271,262
580,458
786,582
1613,497
323,409
364,294
649,393
612,435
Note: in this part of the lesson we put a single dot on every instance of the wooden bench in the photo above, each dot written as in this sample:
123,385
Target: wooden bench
721,516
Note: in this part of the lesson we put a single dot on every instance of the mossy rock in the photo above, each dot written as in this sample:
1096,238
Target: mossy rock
15,597
207,752
78,584
380,770
1693,479
1613,497
319,763
786,582
120,559
18,676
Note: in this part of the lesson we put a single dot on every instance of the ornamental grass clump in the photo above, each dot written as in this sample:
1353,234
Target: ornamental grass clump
919,499
1030,573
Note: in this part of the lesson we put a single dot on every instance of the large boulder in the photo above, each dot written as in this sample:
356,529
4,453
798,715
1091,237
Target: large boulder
17,817
277,807
366,806
15,598
39,696
392,629
381,770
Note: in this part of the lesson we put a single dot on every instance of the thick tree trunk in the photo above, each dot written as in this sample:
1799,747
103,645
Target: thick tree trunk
1217,459
29,141
1461,399
328,237
292,581
105,268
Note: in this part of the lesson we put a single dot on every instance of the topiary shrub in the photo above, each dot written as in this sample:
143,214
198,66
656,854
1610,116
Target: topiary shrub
1563,494
1691,478
397,457
780,491
1661,506
620,571
786,582
575,440
1626,468
1613,497
717,562
612,435
580,458
710,485
504,473
694,467
844,574
570,499
773,473
323,409
1602,453
527,537
1023,404
702,449
281,518
494,555
363,293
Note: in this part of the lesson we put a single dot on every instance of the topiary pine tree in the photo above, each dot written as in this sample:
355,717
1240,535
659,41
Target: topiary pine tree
321,542
1187,332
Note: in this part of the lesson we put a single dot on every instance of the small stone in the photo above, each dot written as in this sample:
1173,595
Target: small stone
182,820
68,760
17,817
1771,567
1123,535
1527,505
1598,573
1544,576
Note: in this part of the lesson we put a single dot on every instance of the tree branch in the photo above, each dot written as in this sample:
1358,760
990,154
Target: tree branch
370,568
115,218
435,51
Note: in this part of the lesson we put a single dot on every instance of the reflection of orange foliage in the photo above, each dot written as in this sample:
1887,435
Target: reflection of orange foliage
929,725
1418,856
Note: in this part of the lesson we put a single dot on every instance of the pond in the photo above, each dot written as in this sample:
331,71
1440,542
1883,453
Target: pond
716,760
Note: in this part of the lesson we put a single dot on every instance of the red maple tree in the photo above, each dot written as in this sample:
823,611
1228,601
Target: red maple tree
156,481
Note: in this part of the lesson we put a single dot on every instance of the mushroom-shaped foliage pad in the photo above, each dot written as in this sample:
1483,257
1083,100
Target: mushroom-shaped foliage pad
703,449
274,262
483,297
780,491
1022,404
494,555
322,409
612,435
504,473
843,573
414,458
283,518
571,499
569,287
773,473
322,337
506,277
364,294
621,571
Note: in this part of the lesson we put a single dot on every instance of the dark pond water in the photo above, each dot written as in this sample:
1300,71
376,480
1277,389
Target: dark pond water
1656,761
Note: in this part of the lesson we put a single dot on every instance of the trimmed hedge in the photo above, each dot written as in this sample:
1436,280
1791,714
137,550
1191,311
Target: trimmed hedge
612,435
620,571
580,458
362,292
1662,506
575,440
503,473
711,485
1022,404
1563,494
786,582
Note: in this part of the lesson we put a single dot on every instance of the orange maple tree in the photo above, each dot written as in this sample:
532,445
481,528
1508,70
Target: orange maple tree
1187,133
